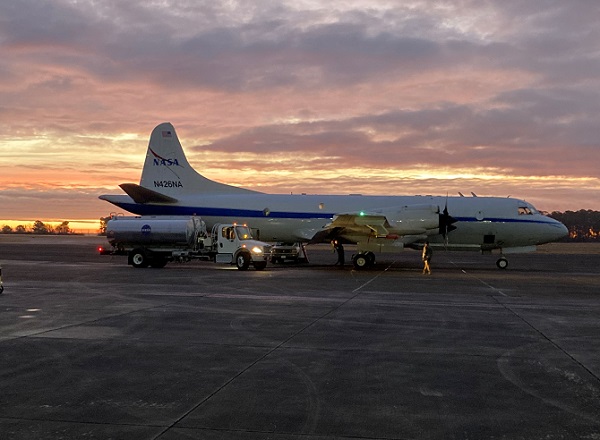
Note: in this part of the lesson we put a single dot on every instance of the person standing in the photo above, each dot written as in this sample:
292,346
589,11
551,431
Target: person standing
426,257
339,248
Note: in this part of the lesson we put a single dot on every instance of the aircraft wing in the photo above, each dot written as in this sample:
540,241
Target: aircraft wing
411,222
354,224
361,223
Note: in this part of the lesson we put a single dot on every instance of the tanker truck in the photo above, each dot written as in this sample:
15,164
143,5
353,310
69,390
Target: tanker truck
153,241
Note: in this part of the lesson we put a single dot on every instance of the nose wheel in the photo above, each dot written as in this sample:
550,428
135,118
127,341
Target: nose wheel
502,263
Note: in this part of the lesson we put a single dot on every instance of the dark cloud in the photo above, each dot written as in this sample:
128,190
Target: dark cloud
510,86
130,40
518,139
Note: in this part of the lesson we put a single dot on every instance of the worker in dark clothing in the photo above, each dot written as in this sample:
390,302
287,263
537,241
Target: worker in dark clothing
339,248
426,257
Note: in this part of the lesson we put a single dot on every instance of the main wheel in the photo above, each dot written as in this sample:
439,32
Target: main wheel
360,261
242,261
139,258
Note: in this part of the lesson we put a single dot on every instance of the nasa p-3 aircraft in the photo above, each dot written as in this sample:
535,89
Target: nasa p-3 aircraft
170,186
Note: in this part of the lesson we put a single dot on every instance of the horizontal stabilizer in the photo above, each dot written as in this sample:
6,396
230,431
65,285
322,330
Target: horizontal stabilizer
142,195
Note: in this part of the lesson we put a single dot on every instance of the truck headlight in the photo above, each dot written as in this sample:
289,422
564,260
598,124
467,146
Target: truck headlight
257,250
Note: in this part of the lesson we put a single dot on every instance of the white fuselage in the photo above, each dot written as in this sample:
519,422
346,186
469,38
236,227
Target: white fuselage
481,222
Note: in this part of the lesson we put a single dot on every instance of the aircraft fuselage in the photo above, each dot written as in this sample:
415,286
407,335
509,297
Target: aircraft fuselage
481,222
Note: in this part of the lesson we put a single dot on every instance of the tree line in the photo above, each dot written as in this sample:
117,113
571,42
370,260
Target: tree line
583,225
39,228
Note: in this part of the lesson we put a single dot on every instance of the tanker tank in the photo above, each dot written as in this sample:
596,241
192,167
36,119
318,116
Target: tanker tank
155,231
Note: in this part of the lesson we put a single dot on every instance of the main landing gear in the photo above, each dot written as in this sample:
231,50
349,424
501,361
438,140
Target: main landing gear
363,260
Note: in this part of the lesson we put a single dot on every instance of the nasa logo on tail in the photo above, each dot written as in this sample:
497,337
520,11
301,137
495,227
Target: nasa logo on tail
159,161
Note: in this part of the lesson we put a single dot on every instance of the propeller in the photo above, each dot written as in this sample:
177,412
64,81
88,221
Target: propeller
446,222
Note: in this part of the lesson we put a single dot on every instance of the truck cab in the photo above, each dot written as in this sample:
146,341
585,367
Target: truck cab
235,245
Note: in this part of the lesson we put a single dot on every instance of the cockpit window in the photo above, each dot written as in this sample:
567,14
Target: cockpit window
527,210
524,210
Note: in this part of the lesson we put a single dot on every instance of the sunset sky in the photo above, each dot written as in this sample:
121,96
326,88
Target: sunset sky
373,97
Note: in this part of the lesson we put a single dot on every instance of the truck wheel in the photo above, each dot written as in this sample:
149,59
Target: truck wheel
242,261
260,265
138,258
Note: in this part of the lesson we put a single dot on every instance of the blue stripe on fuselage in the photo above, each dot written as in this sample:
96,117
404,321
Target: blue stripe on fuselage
141,209
502,220
216,212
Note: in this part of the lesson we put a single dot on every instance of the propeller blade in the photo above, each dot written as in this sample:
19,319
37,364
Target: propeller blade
446,221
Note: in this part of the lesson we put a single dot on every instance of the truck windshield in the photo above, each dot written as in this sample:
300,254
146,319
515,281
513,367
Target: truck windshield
243,232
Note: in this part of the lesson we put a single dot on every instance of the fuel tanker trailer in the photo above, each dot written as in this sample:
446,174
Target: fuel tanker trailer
153,241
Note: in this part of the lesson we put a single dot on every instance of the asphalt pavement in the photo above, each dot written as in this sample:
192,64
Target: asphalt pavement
92,348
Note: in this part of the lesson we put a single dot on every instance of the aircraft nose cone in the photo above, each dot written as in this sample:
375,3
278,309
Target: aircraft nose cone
564,231
555,231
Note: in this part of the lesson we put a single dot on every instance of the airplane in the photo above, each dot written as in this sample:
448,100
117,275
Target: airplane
376,224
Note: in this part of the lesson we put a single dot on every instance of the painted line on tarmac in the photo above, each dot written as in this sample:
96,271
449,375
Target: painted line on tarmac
490,286
495,289
373,279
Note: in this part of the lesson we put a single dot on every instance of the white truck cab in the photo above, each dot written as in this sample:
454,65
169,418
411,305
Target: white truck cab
235,245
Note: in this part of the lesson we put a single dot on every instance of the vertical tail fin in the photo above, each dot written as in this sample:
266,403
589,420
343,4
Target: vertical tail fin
167,171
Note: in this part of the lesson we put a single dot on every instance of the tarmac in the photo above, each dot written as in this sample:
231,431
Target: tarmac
91,348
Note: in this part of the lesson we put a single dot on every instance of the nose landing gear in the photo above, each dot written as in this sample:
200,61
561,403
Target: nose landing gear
502,263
